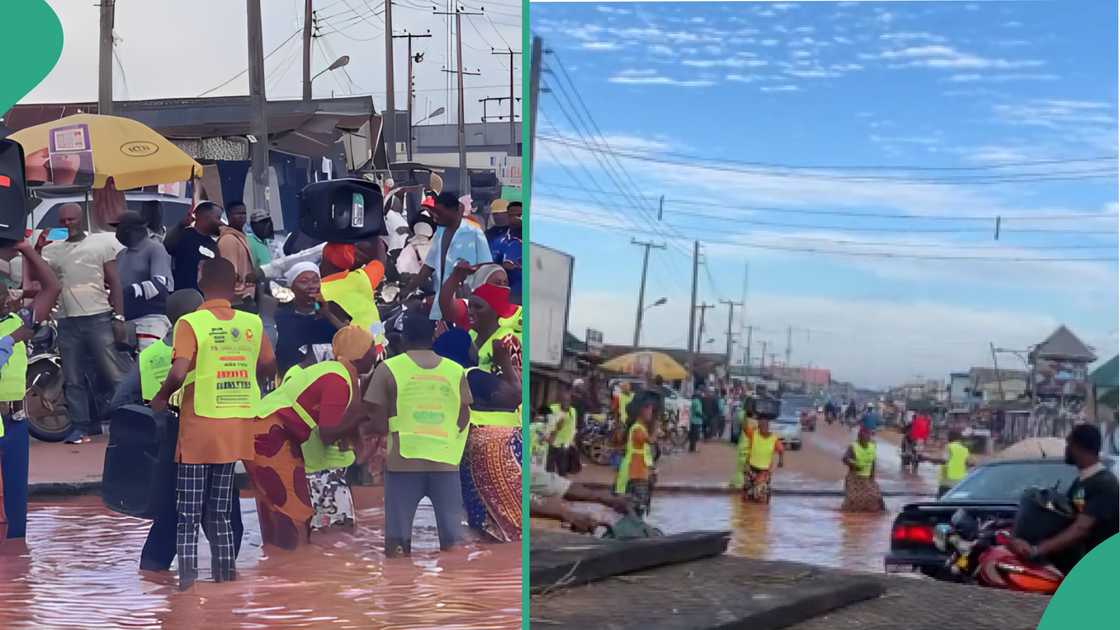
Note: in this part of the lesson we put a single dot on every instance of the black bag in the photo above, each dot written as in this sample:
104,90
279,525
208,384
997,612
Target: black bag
139,475
1043,512
13,191
342,211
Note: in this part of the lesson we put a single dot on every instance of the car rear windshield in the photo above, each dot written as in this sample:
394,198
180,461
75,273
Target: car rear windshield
1006,482
793,406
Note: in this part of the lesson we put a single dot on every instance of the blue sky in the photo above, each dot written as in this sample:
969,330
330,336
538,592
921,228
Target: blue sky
965,111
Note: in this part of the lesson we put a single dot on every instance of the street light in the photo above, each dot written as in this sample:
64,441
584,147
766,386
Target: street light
338,63
638,323
437,112
659,302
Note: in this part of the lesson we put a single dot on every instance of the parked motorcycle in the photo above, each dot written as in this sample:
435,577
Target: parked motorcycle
595,440
978,554
44,403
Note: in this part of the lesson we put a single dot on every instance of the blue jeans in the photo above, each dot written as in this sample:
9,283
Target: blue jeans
89,358
14,463
403,492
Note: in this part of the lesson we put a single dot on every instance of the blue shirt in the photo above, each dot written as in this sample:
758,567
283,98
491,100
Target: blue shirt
468,243
507,247
870,420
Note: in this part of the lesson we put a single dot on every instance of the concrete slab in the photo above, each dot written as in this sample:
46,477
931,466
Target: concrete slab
561,559
723,592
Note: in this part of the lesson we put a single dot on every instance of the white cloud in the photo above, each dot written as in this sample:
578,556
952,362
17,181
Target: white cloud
815,73
1002,78
612,10
730,62
780,88
911,36
1013,24
662,50
841,40
941,56
769,42
659,80
602,46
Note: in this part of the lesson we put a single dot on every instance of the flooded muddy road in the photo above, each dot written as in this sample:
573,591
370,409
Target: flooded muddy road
79,569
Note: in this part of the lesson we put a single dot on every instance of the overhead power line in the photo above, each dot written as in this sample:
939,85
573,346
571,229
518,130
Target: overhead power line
709,164
861,254
870,215
239,74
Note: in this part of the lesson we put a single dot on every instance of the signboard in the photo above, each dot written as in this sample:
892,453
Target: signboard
550,294
594,342
70,155
1060,379
508,170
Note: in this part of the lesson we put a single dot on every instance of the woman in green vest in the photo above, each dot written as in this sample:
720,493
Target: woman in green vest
861,492
300,480
636,475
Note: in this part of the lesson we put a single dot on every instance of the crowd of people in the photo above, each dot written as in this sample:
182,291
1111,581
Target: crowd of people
278,356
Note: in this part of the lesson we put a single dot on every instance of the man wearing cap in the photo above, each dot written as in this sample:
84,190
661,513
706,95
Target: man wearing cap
262,239
453,241
144,267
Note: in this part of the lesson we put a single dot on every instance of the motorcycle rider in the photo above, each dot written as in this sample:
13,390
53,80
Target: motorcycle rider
1096,501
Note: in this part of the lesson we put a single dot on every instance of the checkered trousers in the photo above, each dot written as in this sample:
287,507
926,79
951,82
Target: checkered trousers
211,484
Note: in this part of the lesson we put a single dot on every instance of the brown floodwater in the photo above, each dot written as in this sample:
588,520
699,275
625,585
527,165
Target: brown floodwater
801,529
80,570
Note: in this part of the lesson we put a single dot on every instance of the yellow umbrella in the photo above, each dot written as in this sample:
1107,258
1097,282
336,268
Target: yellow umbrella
128,151
647,363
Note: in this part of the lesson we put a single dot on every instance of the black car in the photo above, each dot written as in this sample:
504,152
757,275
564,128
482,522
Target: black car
992,490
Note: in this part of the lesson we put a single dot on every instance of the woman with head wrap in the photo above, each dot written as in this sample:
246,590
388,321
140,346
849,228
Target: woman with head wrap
301,322
299,479
490,471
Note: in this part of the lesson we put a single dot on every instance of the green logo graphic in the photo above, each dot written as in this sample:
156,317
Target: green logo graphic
1085,598
32,44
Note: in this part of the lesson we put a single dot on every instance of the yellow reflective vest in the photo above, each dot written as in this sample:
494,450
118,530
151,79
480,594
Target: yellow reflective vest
317,456
956,466
225,371
623,477
566,431
428,402
154,363
13,377
864,458
353,292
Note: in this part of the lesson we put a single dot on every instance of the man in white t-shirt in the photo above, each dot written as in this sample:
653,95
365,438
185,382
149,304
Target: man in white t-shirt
90,302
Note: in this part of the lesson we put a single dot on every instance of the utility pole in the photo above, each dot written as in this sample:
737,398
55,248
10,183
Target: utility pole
730,321
258,119
464,180
691,315
105,59
999,379
762,359
703,309
308,19
534,105
642,287
389,123
789,343
660,207
512,99
747,359
417,59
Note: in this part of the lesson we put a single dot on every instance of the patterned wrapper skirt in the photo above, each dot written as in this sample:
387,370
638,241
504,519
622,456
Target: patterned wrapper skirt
280,484
331,498
491,479
862,494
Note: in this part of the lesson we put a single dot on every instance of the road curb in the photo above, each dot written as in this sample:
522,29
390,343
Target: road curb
80,488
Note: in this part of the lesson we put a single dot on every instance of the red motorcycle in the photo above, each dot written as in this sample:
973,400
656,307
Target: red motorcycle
978,554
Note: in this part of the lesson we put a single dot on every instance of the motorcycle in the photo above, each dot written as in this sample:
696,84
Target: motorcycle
909,455
978,554
595,440
44,402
